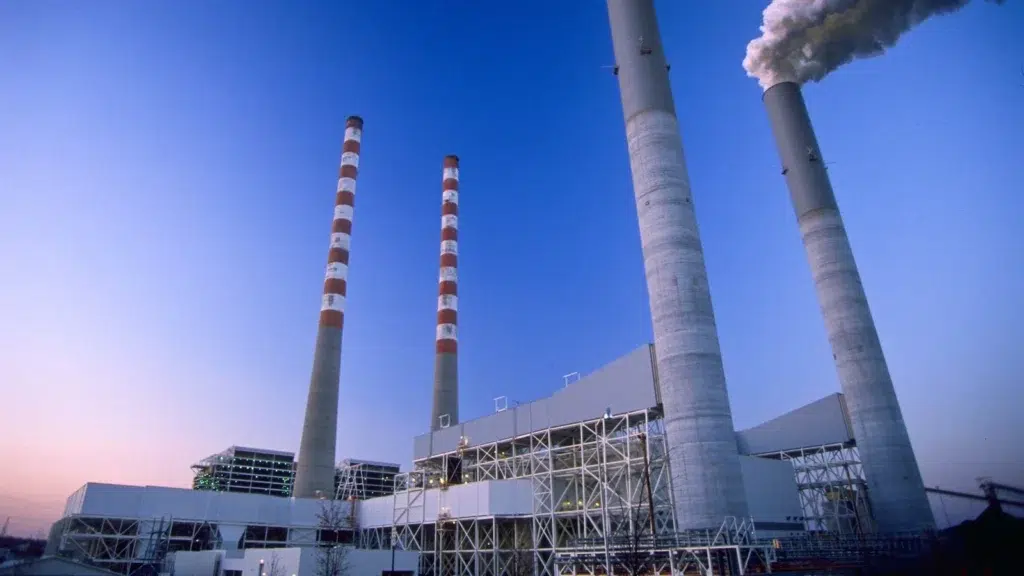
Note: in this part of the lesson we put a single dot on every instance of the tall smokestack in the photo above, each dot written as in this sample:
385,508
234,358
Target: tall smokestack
895,488
706,478
445,411
314,474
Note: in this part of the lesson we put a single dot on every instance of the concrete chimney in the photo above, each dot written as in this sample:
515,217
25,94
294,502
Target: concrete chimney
445,411
895,489
314,474
706,481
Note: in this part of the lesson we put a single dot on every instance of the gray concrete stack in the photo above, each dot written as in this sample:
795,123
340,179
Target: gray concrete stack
445,410
895,488
314,475
706,479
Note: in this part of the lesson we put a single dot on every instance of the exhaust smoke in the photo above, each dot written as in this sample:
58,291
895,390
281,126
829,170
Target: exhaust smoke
805,40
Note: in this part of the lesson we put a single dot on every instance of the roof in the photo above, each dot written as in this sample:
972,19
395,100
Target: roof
158,502
234,449
358,462
629,384
820,423
626,385
55,565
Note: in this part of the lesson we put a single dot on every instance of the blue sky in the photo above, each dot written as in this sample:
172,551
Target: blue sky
166,188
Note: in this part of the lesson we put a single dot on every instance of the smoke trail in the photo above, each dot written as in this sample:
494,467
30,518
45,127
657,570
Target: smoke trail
804,40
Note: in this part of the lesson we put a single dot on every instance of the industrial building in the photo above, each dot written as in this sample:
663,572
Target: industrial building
246,470
364,479
272,472
550,479
635,468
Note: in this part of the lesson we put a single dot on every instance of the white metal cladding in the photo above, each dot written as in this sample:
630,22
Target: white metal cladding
771,490
145,502
473,500
625,385
816,424
304,561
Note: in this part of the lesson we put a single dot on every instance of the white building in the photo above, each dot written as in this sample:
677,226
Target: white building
564,482
288,562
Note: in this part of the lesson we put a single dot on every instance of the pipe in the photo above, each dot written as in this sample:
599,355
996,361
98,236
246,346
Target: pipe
895,489
445,411
706,481
314,474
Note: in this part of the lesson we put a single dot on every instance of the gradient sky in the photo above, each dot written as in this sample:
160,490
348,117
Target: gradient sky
167,181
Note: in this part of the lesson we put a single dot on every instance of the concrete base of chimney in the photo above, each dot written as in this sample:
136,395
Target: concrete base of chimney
446,390
314,471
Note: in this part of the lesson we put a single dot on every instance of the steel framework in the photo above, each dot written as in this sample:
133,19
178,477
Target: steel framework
357,480
832,488
140,546
129,546
246,470
732,549
594,483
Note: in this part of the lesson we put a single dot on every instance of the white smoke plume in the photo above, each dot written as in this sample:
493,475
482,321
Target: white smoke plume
804,40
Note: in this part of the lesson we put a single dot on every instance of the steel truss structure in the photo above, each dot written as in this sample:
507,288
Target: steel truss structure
603,480
358,480
732,549
832,488
134,546
247,471
822,552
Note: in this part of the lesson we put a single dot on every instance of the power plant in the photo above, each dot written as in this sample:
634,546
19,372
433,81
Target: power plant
636,468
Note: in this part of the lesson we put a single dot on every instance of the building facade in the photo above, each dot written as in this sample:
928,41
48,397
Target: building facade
575,483
364,479
246,471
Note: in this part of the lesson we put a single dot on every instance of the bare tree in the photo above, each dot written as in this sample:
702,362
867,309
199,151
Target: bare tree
521,559
634,548
635,543
332,555
275,567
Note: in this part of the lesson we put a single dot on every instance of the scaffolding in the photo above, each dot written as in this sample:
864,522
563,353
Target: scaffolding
832,488
363,479
731,549
246,470
826,552
129,546
594,483
139,547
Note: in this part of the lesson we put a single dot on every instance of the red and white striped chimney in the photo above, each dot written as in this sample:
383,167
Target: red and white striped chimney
314,475
445,410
